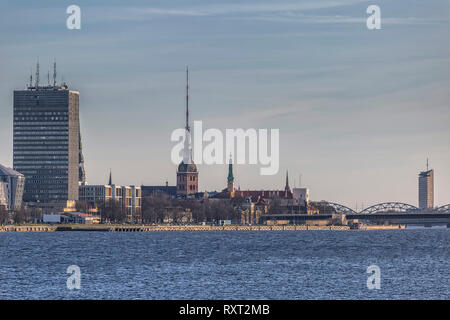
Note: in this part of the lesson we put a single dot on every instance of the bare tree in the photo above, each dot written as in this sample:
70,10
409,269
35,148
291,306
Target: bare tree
82,206
4,216
20,216
112,211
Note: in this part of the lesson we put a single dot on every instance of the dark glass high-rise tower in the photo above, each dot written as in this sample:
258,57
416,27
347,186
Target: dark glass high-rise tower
426,189
47,143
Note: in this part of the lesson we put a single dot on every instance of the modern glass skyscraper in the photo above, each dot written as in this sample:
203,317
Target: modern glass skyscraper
426,189
47,144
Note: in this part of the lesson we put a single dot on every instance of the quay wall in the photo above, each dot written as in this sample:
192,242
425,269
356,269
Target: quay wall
27,228
224,228
126,228
383,227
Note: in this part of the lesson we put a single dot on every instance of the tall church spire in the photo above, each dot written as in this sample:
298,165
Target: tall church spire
187,173
230,179
230,170
287,188
110,178
187,150
187,100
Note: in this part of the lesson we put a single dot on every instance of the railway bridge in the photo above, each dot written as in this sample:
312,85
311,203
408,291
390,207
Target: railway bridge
382,213
398,213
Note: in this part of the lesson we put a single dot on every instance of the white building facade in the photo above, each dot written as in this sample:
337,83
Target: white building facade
129,197
300,196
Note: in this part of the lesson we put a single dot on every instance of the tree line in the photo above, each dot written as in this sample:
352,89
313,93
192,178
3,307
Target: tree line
157,208
20,216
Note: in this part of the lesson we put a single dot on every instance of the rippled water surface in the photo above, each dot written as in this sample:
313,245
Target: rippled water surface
415,264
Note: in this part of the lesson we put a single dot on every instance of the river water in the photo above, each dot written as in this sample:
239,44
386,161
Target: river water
413,264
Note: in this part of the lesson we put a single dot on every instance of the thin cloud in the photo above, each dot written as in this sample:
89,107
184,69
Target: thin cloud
245,8
336,19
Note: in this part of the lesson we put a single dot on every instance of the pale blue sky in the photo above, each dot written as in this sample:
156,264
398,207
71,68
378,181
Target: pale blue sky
358,110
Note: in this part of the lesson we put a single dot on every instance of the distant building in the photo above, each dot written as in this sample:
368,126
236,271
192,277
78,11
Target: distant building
187,173
255,195
47,142
129,197
170,191
51,218
11,188
255,203
426,189
301,196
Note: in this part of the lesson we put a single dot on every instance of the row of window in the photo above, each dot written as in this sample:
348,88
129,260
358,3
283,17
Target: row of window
41,152
192,187
42,118
47,177
99,191
41,133
57,106
44,191
39,123
183,178
41,138
45,182
40,149
54,159
40,127
41,143
92,198
28,162
23,167
45,113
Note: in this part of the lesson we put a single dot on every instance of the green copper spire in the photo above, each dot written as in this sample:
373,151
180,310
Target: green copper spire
230,171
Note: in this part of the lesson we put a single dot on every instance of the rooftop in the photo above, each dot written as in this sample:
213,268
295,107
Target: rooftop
5,171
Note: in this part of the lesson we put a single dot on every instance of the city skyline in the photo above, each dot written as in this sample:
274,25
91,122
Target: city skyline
358,124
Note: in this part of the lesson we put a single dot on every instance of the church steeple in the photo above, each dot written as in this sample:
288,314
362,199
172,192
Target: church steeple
187,150
287,188
230,179
230,171
110,178
187,100
187,173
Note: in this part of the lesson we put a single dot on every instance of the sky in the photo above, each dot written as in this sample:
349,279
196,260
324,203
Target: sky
359,110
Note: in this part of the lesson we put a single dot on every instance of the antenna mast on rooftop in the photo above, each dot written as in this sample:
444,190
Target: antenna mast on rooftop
54,73
37,74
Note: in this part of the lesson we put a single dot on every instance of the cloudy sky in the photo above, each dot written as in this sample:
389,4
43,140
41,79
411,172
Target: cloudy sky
359,110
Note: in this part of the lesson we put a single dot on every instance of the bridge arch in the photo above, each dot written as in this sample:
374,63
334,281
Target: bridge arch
397,207
339,208
443,209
